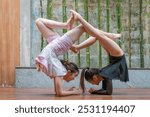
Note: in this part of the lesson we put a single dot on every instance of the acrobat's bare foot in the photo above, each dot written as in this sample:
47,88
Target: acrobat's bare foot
77,16
114,36
70,22
41,67
37,66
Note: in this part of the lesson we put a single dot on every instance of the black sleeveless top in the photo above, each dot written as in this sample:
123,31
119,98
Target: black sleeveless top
117,69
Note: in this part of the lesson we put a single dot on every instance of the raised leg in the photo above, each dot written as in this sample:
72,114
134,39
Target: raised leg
46,26
75,33
108,44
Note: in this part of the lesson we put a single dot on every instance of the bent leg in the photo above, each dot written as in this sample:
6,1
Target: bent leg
112,36
108,44
43,28
75,33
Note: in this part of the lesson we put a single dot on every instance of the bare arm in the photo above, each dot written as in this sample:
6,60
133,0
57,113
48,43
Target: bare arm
107,90
84,44
59,90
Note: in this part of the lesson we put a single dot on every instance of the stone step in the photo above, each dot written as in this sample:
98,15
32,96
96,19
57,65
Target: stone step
30,77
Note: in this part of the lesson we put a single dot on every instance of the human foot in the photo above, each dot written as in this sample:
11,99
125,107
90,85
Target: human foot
41,67
114,36
77,16
70,22
37,66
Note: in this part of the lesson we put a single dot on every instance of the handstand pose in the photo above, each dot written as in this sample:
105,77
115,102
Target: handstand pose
117,69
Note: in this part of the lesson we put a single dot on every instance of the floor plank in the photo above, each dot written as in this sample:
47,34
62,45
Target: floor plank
48,94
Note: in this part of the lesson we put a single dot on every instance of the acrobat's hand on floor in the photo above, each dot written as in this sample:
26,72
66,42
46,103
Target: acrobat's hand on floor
91,90
70,89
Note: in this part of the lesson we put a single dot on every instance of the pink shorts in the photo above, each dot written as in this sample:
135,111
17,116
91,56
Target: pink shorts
51,38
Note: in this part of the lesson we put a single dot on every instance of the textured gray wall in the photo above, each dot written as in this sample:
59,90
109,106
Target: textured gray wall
29,77
25,33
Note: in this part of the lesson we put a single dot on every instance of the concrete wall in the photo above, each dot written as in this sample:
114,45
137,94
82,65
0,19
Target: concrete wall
25,40
29,77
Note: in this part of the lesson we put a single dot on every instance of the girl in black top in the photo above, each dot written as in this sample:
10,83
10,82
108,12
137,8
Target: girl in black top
117,69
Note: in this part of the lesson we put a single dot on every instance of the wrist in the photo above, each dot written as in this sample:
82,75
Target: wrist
77,47
65,25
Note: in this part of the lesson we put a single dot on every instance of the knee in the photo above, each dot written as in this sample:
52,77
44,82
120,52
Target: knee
38,21
81,27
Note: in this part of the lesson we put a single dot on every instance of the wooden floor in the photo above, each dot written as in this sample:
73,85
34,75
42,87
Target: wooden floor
48,94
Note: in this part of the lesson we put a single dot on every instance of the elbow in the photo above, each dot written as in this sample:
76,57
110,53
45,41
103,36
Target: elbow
109,92
59,94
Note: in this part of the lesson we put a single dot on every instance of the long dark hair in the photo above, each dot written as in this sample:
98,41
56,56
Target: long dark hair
88,74
70,66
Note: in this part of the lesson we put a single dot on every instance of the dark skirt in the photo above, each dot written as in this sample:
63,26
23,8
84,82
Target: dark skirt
117,69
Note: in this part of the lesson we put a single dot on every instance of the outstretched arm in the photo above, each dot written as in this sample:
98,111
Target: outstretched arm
59,90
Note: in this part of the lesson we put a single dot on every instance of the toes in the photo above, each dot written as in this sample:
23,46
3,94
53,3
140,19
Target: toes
37,66
43,69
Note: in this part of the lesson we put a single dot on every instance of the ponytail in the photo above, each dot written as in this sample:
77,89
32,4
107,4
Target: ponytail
82,79
70,66
87,74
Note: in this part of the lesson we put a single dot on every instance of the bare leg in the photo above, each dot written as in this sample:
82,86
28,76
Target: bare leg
108,44
43,28
112,36
46,26
74,34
